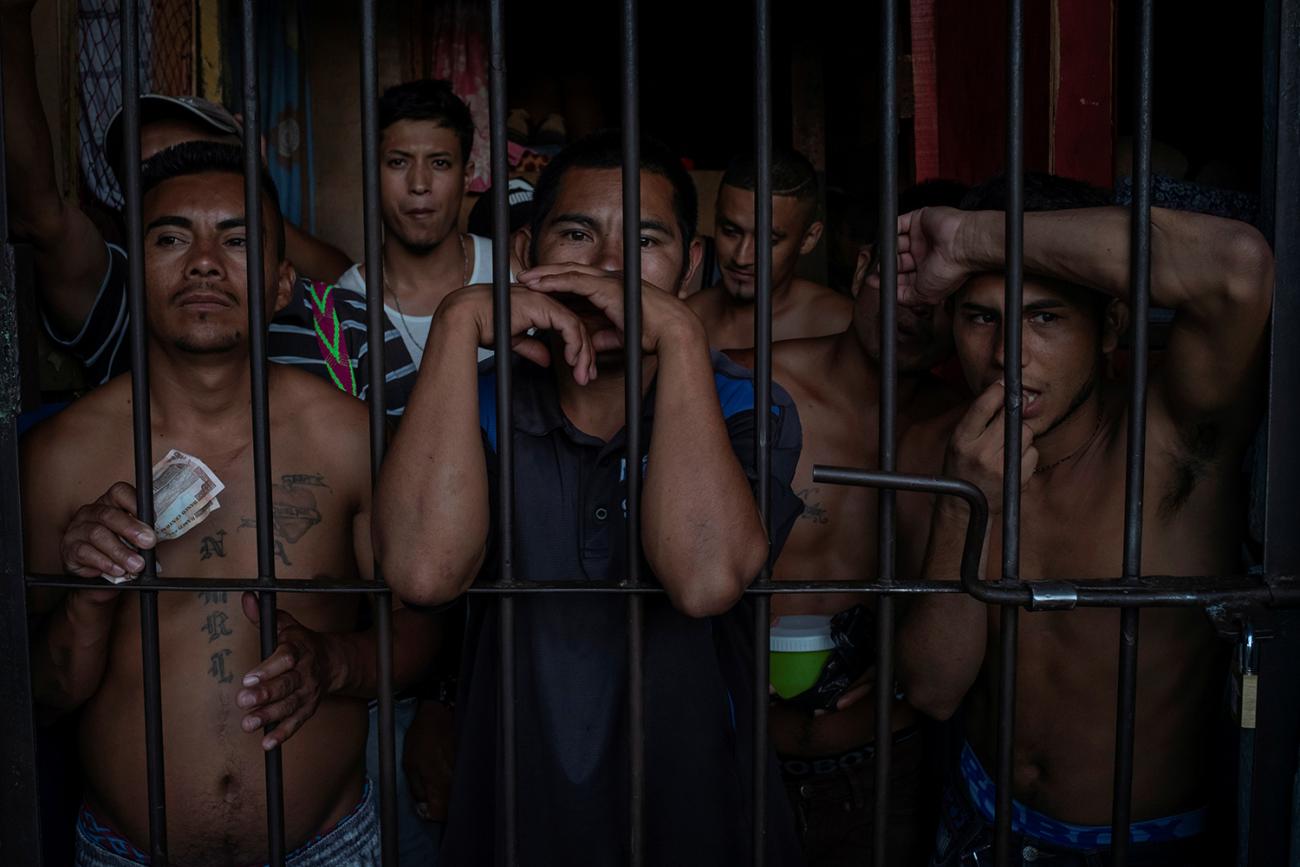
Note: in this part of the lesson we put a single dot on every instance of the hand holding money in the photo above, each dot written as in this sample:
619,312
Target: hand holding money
184,493
104,538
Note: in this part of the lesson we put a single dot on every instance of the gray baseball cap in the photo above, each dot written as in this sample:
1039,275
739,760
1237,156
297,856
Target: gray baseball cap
156,106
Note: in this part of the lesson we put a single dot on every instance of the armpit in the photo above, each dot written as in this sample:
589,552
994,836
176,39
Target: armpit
1191,459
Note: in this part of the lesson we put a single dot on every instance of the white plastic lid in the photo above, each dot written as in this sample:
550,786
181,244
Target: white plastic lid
801,633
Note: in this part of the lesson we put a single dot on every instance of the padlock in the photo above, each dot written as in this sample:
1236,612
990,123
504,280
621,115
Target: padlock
1248,678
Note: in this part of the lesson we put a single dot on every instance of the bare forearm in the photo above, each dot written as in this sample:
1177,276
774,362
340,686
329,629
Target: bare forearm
29,161
70,256
942,639
701,527
1195,259
312,257
431,524
70,653
416,639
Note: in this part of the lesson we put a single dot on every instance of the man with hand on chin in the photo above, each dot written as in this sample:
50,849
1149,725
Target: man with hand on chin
1203,401
702,536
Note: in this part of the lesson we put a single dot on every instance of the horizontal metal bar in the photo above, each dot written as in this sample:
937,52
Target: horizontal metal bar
316,585
1159,591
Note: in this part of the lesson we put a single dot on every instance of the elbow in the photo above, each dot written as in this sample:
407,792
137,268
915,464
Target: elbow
427,575
711,589
936,704
38,217
928,689
432,581
708,598
1248,260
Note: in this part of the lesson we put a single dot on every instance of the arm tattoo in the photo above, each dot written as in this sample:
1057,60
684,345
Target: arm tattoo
814,512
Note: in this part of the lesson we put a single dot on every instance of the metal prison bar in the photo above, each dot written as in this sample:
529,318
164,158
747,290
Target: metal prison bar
21,833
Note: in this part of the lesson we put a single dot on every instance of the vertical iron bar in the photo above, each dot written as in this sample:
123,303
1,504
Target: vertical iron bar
142,428
1140,287
632,411
887,241
1273,798
505,421
260,405
1011,322
375,327
21,837
762,398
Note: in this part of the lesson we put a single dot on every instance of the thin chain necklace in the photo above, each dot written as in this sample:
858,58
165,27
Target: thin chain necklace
397,302
1056,463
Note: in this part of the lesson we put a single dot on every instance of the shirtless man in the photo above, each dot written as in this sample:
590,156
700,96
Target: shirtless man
825,737
800,308
218,694
1202,403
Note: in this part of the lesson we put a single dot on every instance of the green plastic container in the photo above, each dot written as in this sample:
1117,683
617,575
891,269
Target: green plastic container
800,644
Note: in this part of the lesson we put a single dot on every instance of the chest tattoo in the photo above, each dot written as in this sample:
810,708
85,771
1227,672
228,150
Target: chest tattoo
215,626
213,546
217,667
294,510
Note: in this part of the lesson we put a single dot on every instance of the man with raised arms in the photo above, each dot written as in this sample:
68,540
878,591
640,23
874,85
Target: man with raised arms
1203,399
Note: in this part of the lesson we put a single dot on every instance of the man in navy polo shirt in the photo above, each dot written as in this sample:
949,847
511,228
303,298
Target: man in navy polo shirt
702,537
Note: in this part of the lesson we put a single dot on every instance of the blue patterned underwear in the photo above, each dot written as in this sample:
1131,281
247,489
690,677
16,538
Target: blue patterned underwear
1031,823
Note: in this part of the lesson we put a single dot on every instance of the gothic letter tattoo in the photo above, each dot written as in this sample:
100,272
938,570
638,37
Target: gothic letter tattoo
217,670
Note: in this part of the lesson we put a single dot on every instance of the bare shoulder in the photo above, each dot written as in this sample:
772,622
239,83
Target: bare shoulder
800,365
796,364
825,299
69,460
706,302
82,434
319,419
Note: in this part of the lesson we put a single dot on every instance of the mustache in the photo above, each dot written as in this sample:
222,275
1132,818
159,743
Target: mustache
203,287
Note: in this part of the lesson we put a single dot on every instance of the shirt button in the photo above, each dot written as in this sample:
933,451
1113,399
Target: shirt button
1029,853
602,513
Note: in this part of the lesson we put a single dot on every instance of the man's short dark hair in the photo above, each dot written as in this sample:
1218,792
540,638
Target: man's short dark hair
604,150
792,174
428,99
201,157
1043,192
932,193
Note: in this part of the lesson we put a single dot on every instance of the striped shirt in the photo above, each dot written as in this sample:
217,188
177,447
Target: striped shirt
322,330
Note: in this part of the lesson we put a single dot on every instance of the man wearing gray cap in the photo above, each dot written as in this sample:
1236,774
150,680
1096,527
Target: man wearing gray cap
80,274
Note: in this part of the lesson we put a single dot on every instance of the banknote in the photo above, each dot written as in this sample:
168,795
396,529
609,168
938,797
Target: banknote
184,494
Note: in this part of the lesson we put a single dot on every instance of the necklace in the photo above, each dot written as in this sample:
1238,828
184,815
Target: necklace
397,302
1084,445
